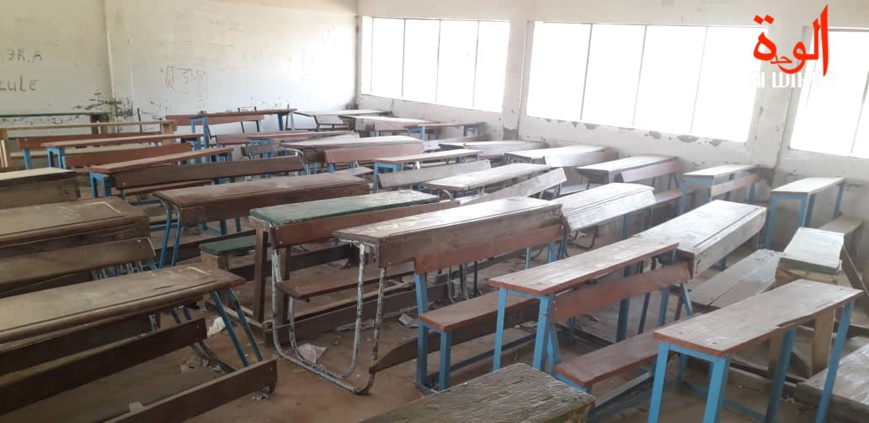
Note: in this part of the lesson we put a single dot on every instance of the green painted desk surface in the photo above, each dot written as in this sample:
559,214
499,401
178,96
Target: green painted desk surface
516,393
321,209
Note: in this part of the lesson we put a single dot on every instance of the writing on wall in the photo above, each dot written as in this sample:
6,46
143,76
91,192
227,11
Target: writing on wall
16,74
185,80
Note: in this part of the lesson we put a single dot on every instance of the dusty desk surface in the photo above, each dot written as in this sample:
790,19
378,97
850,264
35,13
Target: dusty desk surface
746,323
119,140
495,149
19,177
484,178
349,112
814,250
807,186
516,393
350,142
540,153
111,168
312,210
604,203
429,157
720,171
628,163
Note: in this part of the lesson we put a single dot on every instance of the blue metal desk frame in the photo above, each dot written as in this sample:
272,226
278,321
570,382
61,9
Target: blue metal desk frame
206,130
710,182
720,368
807,205
398,167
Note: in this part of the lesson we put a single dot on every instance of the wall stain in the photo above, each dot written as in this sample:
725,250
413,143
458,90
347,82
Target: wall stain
574,124
716,142
687,138
591,126
655,135
510,134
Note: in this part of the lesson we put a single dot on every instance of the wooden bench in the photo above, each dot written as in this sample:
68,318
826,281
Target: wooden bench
332,118
535,186
571,153
494,150
721,180
241,116
848,400
670,169
607,172
516,393
805,191
812,254
276,137
48,269
416,177
717,336
850,227
438,240
57,150
747,278
354,156
435,145
73,312
37,186
314,151
425,129
574,161
478,181
34,229
82,160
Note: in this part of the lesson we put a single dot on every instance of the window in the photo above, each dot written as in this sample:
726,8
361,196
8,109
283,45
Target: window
450,62
677,79
832,116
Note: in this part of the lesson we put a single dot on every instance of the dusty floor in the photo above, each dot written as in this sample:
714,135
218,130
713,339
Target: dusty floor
301,396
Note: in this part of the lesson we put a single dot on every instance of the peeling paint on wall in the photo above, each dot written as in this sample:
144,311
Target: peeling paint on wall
655,135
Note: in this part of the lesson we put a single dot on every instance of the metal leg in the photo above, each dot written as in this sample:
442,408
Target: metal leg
684,200
770,225
94,192
28,159
499,329
658,384
543,326
837,210
646,299
166,234
218,304
804,213
444,373
662,311
717,385
810,209
833,368
421,354
781,368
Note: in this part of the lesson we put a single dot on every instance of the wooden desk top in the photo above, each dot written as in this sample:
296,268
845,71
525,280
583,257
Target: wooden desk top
565,274
503,396
109,169
313,210
349,142
710,232
19,177
401,240
83,125
300,135
747,323
349,112
46,221
604,203
41,312
720,171
616,166
814,250
429,157
439,125
495,149
808,186
136,139
218,118
484,178
540,153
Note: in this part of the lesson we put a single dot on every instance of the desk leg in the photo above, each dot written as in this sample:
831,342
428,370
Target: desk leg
770,224
837,210
804,212
658,384
94,191
778,382
375,177
166,234
683,201
261,263
28,159
717,387
543,329
841,334
810,209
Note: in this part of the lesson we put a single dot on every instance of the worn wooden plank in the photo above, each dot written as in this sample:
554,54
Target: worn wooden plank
527,188
478,310
807,186
97,364
495,149
601,364
710,232
309,287
730,186
568,153
483,178
303,135
602,204
112,168
607,171
24,271
383,123
399,240
843,224
117,140
718,172
428,157
347,112
93,125
74,159
40,141
750,322
850,393
502,396
314,150
651,171
749,277
368,154
195,401
577,160
412,177
565,274
18,177
814,250
205,171
42,312
36,193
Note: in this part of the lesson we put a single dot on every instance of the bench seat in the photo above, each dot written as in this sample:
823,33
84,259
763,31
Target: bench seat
154,188
602,364
479,310
230,247
843,224
307,288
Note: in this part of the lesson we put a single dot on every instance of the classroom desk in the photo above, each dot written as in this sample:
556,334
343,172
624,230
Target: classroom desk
103,175
378,124
707,234
333,117
423,237
606,172
424,128
495,149
271,137
538,155
37,186
713,176
57,150
314,150
398,163
804,191
296,224
477,181
544,283
715,337
191,206
32,229
207,119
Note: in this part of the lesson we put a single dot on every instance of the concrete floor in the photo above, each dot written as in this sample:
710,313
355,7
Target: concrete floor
301,396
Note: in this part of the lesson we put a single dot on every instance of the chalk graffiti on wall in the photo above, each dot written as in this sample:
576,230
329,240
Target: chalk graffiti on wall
185,80
14,75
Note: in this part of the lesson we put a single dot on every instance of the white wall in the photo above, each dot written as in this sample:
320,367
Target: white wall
180,56
772,117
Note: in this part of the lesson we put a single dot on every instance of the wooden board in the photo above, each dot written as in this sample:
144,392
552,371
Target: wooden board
557,153
717,172
20,177
851,391
495,149
84,125
577,160
109,169
314,149
417,176
710,232
814,250
302,135
500,397
602,204
382,123
750,322
483,178
206,171
429,157
606,172
565,274
672,167
218,118
477,310
368,154
216,202
119,140
399,240
807,186
37,313
75,159
526,188
35,192
314,210
749,277
348,112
